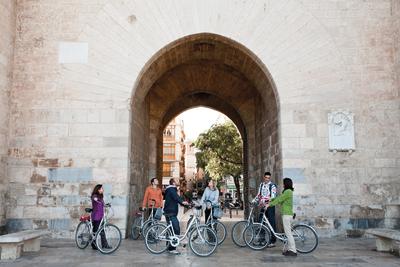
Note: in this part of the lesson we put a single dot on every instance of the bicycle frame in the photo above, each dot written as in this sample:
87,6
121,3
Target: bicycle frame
281,236
179,238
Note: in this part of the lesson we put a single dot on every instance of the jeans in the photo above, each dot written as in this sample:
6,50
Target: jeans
96,225
175,225
270,213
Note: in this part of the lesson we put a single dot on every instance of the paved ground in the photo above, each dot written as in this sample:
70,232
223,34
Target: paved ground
331,252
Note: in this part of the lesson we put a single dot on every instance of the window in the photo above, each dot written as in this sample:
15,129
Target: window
167,170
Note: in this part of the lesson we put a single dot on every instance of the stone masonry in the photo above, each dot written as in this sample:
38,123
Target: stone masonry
94,82
7,26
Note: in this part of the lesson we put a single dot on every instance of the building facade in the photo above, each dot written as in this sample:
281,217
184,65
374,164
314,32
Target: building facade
173,152
87,88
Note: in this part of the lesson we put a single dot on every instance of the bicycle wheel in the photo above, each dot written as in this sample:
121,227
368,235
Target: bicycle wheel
108,239
136,228
203,241
156,238
256,236
220,230
305,238
83,235
237,233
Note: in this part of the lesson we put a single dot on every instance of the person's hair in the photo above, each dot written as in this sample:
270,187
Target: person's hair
267,173
152,180
96,191
287,184
171,181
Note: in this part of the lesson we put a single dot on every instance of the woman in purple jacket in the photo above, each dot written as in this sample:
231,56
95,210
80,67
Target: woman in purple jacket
98,213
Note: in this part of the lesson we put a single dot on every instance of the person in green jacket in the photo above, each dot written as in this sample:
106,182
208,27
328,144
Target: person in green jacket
286,201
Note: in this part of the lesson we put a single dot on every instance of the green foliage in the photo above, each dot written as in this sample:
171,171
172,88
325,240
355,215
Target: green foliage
221,151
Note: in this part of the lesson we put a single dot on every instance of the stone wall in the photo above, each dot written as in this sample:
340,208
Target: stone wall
7,26
396,28
71,111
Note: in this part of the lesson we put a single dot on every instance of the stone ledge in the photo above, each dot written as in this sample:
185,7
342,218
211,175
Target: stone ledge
22,236
386,233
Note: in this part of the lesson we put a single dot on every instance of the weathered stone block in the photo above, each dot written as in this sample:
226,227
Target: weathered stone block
70,175
59,224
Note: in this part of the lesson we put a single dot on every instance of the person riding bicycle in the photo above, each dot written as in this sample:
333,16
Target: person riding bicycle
266,192
286,201
172,199
210,196
98,214
152,197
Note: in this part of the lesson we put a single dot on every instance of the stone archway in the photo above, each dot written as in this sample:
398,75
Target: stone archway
204,70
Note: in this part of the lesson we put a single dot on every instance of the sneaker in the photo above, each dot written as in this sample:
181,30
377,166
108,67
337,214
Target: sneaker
289,253
107,247
271,245
94,247
174,252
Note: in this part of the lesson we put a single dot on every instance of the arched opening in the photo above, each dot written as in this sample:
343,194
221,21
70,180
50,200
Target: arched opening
204,70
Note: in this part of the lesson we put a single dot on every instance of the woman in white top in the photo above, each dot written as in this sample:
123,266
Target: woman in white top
210,194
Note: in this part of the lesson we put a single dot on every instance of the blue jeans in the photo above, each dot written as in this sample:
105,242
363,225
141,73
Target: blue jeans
175,225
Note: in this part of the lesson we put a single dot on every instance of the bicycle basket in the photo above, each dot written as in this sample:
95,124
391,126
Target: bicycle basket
217,212
158,214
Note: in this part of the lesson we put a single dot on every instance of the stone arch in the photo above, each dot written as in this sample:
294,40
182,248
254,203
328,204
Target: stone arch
204,70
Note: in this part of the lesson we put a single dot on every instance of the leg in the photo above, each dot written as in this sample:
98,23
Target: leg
287,226
32,244
207,213
96,225
271,219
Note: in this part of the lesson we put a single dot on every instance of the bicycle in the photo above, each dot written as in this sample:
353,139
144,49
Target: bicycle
140,225
215,224
257,236
202,239
239,228
84,232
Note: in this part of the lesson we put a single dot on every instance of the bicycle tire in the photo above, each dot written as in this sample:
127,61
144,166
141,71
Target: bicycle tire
205,236
113,236
82,235
220,229
256,236
146,226
303,233
153,237
237,233
136,228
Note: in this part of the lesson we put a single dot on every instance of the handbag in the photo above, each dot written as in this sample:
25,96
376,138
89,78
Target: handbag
217,212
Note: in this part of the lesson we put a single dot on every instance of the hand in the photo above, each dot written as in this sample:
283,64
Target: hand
185,203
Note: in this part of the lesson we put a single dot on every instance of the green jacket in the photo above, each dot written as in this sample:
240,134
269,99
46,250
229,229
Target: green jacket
286,200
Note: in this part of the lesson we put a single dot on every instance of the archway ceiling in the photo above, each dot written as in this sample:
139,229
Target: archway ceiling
206,50
232,93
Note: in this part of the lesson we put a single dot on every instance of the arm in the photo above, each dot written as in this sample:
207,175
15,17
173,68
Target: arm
203,197
273,191
176,197
279,200
160,198
146,196
216,197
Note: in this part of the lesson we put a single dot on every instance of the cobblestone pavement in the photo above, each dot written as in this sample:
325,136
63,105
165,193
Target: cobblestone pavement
331,252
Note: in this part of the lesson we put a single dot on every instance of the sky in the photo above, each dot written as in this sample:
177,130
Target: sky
198,120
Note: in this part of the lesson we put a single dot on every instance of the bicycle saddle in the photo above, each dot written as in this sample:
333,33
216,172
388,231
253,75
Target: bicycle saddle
88,210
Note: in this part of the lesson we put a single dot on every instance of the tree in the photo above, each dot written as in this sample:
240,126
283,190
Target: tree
221,152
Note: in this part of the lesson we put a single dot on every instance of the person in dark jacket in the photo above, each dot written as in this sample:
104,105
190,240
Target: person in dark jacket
98,214
172,199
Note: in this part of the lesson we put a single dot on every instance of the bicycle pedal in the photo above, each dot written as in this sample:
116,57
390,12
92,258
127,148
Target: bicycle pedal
184,246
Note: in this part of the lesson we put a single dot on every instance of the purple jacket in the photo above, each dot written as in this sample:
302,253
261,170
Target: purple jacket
98,208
